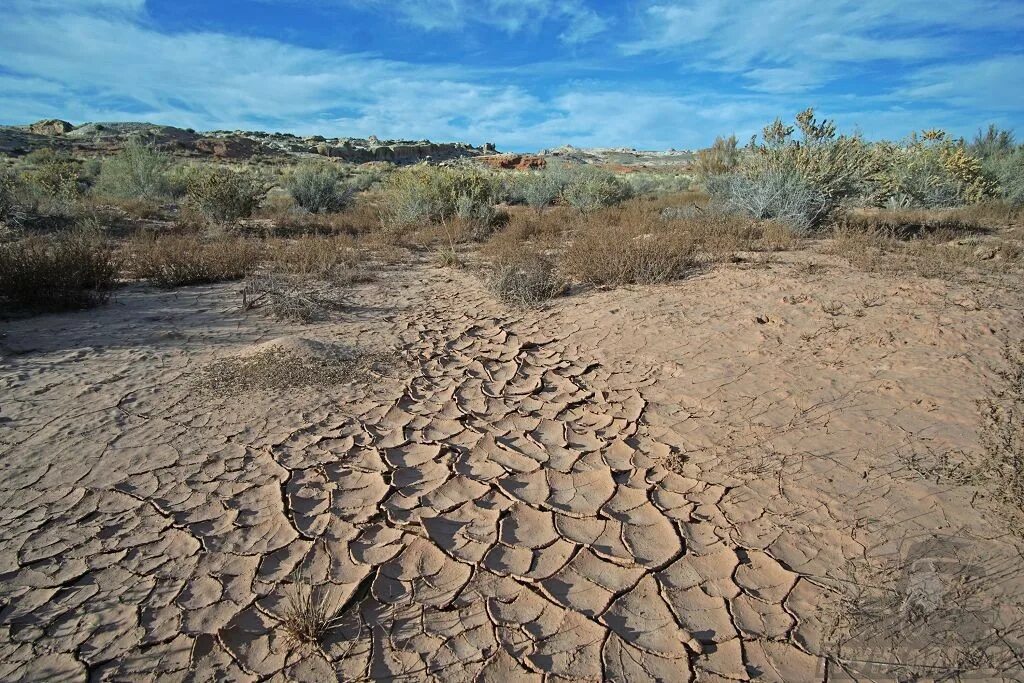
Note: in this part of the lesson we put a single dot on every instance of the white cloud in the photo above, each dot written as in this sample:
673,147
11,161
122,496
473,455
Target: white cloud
995,84
579,23
809,42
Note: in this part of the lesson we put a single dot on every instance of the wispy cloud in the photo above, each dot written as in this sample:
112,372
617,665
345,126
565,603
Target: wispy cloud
684,73
575,21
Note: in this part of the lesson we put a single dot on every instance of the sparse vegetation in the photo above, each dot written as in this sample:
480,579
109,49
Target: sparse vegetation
644,253
318,187
225,195
175,261
309,613
525,279
55,272
588,188
136,172
11,202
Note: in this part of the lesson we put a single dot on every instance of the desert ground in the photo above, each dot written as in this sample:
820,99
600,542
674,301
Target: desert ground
285,409
725,478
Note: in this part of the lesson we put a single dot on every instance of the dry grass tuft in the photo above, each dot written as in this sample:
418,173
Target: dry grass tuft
629,247
288,298
525,279
1002,433
57,272
310,614
175,261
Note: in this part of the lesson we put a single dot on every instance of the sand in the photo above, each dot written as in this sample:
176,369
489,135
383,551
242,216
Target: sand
728,478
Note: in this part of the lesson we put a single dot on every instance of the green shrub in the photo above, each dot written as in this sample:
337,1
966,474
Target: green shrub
225,195
175,261
64,271
318,187
425,194
587,188
52,179
799,181
992,144
929,171
136,172
538,189
1008,173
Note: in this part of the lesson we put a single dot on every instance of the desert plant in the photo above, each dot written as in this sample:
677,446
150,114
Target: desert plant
1008,174
929,171
993,143
525,279
587,188
52,180
64,271
772,192
642,253
424,194
538,189
310,614
802,181
318,187
225,195
722,157
11,200
136,172
174,261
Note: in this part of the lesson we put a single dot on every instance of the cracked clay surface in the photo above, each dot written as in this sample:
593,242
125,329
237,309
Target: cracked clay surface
643,484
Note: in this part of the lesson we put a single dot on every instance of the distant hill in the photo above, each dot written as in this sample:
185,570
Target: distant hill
108,137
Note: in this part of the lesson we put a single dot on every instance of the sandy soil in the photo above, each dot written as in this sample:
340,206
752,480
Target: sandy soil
727,478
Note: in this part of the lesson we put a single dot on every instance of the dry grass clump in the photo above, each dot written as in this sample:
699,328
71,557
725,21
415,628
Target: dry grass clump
337,258
940,255
288,298
610,255
526,279
175,261
289,363
57,272
1002,432
283,217
310,614
911,223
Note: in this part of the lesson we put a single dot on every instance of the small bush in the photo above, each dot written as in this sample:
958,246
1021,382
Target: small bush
224,195
175,261
310,614
11,200
525,279
52,182
1008,173
722,157
588,188
136,172
772,193
437,194
318,187
538,189
335,258
66,271
643,253
929,171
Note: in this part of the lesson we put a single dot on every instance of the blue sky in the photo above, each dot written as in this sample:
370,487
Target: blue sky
525,74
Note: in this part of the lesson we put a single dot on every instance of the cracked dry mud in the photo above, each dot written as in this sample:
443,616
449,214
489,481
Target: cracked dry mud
646,484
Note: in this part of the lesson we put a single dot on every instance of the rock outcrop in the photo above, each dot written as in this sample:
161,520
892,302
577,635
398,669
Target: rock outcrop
51,127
